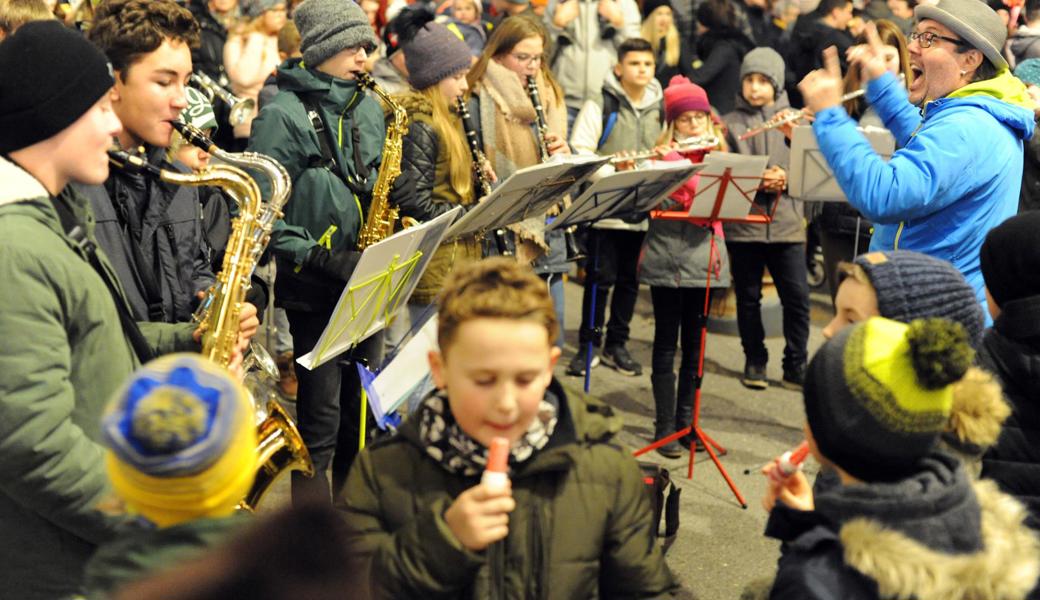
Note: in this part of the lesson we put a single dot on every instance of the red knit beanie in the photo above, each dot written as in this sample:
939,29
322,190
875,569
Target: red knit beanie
681,96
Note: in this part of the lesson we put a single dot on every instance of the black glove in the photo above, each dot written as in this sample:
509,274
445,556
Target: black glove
404,186
338,265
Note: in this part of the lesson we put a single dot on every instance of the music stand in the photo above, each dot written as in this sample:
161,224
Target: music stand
382,281
722,200
623,192
527,192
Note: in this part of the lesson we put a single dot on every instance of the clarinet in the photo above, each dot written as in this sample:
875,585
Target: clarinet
501,239
541,132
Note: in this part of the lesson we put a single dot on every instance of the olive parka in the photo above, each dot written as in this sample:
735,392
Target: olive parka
581,528
64,355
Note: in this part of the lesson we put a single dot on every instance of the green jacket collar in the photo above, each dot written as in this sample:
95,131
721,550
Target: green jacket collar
295,76
1004,86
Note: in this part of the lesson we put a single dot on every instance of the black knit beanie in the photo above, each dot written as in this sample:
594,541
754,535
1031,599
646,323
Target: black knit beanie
649,6
910,285
50,77
1010,258
878,395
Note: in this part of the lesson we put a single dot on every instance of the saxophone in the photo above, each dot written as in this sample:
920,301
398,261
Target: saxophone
381,216
280,446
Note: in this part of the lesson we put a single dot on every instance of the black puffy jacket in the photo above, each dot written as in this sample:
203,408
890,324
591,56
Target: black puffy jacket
1011,350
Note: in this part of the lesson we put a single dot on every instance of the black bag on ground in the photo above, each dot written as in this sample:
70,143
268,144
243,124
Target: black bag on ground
664,498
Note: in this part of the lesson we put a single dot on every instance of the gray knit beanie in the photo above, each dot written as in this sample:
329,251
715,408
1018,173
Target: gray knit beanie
327,27
252,9
910,285
767,63
434,54
974,21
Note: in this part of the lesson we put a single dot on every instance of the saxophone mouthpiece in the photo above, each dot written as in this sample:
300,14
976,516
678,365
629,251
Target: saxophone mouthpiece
130,162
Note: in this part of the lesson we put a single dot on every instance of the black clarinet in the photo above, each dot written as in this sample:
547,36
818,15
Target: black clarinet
500,235
541,130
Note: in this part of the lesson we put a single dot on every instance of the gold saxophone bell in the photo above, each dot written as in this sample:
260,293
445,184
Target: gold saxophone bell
280,450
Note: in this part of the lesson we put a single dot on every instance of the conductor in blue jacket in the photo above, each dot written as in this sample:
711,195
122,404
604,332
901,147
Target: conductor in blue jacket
960,131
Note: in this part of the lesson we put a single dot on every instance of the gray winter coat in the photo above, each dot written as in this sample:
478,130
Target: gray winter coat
676,253
169,236
789,219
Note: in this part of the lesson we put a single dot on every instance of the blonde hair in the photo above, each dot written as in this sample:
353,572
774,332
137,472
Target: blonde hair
448,126
493,288
504,38
890,35
672,46
15,13
668,134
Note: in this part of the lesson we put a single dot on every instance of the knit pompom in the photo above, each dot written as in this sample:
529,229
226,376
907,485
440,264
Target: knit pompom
168,420
939,351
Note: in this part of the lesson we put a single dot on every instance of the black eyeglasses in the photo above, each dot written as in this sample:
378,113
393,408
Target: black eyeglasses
926,39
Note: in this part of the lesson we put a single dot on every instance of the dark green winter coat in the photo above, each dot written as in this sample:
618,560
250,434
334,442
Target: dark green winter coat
140,549
62,358
321,201
581,528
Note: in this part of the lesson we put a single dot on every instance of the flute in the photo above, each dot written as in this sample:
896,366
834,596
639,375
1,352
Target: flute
694,144
790,117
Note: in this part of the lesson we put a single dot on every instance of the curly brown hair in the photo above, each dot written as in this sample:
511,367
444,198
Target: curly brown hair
493,288
125,30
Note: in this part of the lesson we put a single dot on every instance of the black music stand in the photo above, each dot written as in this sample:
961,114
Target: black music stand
723,189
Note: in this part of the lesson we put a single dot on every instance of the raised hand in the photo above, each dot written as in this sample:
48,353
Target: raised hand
869,57
823,88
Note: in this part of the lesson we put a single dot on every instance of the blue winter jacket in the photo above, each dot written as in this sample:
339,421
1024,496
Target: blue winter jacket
956,175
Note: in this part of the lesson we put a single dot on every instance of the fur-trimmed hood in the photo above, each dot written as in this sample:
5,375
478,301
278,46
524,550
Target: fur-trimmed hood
19,185
1007,567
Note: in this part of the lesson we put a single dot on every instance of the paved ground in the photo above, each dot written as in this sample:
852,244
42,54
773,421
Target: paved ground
720,547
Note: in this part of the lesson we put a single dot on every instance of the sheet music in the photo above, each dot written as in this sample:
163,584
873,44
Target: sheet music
746,172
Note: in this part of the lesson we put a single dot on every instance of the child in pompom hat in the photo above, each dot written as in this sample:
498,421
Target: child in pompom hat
904,285
907,521
675,264
1010,260
181,456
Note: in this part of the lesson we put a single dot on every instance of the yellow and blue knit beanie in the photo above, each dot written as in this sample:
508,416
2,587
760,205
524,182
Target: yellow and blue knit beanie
182,440
878,395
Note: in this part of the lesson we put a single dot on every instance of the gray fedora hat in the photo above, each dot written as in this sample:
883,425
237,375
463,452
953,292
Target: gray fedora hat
974,21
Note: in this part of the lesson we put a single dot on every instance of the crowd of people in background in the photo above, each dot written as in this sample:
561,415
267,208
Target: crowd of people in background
125,455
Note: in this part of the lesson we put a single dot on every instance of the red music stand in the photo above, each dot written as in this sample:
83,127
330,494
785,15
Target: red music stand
713,222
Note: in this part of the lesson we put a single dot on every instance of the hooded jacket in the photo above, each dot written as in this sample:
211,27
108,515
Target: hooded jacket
425,162
788,225
932,536
586,49
164,222
322,207
64,358
955,176
581,529
636,128
1011,350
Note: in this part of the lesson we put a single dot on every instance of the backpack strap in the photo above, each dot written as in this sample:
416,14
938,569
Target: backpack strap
326,142
610,115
